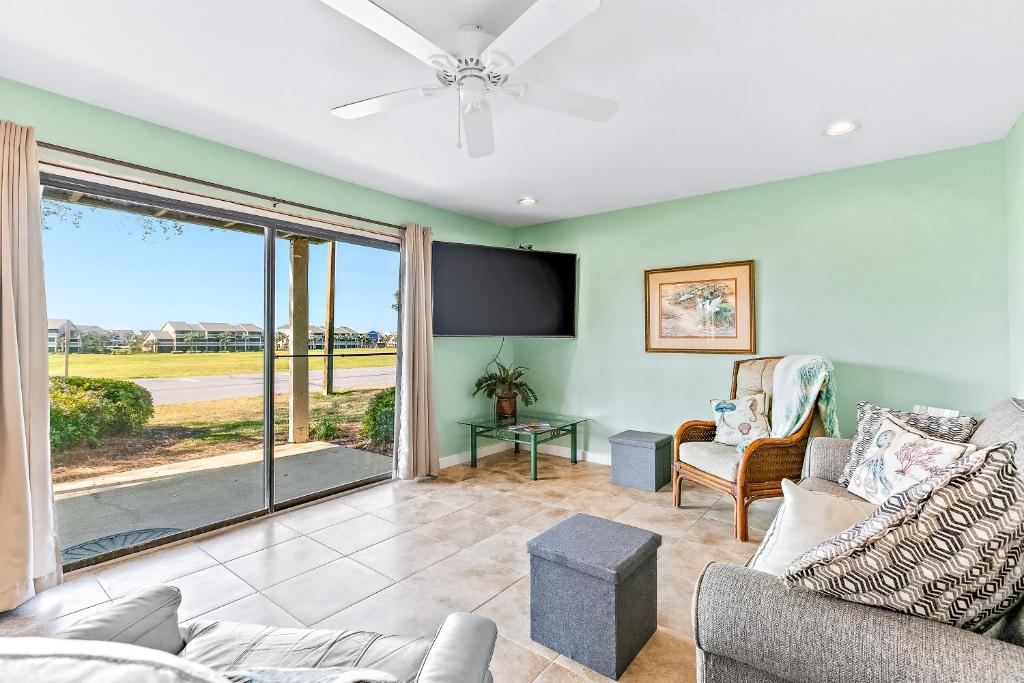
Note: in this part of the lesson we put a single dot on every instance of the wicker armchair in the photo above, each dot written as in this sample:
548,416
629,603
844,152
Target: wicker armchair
758,471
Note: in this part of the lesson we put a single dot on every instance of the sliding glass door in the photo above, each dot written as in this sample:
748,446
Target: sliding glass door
336,322
181,399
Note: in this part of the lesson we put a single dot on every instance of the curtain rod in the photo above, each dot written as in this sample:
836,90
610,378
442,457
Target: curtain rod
207,183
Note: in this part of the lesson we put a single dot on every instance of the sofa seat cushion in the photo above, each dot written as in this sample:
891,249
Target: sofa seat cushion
712,457
819,485
226,646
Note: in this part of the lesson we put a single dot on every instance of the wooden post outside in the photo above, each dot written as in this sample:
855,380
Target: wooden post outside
329,326
298,342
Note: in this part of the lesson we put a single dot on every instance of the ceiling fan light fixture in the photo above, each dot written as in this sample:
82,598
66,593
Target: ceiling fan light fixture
527,201
841,128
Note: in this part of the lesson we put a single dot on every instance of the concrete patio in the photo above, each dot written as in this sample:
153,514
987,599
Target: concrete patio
200,492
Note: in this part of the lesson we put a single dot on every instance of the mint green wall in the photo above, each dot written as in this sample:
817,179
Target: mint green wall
896,271
72,123
1014,151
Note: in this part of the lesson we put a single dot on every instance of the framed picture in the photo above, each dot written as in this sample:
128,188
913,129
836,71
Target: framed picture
700,309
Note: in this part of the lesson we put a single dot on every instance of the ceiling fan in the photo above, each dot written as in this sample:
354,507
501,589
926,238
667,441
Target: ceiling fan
477,65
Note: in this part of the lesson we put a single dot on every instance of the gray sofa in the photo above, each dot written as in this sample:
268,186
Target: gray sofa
138,639
749,627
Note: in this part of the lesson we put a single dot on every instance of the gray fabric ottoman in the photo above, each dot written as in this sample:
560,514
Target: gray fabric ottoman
641,460
594,591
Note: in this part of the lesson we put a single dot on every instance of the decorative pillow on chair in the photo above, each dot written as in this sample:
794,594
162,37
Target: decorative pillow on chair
899,457
950,548
740,419
869,417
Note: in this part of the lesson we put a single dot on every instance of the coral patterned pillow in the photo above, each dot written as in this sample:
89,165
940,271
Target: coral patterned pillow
899,456
740,419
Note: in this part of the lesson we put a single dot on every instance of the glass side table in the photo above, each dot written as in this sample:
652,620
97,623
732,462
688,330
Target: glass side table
546,428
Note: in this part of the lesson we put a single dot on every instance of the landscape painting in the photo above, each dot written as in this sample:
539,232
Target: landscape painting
700,309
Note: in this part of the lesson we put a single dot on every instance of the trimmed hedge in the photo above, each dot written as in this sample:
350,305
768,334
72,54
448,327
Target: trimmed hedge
379,418
86,409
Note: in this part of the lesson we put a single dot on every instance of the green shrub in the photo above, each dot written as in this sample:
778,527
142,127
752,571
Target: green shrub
324,428
86,409
379,419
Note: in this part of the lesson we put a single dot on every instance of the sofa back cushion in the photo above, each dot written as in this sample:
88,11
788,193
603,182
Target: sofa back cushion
1004,422
226,646
53,660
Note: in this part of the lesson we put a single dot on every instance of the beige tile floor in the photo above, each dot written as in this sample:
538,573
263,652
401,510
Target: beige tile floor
399,557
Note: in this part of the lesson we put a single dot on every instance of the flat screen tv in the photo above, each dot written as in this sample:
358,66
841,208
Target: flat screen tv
490,291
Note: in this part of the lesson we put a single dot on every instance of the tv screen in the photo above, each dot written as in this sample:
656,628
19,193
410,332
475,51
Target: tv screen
490,291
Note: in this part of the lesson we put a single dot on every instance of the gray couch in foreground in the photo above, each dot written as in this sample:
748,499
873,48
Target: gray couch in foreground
138,639
749,627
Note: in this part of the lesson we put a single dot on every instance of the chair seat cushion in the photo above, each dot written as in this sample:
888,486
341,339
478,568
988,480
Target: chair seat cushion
712,457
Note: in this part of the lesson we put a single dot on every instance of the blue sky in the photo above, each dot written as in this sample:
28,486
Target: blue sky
104,273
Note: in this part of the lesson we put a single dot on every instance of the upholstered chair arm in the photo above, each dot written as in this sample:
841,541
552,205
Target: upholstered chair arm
750,617
826,457
461,650
147,617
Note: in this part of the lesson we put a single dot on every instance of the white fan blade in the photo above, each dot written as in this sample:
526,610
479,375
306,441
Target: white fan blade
479,128
544,21
373,105
391,28
562,100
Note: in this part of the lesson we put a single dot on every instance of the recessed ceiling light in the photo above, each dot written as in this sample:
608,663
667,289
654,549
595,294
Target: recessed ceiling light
841,128
527,201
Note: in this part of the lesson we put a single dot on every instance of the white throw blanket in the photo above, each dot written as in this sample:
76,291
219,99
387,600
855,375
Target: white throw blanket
797,381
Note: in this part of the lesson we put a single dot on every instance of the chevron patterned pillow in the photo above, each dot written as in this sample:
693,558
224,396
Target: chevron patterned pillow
869,417
950,548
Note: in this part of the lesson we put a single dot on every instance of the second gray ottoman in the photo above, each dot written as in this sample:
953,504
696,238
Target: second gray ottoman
641,460
594,591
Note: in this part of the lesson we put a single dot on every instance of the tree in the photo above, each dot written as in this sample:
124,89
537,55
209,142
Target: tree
224,339
395,305
190,338
281,340
95,342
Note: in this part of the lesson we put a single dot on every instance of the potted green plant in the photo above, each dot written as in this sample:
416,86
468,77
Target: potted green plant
505,384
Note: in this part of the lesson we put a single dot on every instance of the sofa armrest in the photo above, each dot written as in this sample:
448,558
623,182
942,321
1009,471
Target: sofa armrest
826,457
461,650
798,635
147,617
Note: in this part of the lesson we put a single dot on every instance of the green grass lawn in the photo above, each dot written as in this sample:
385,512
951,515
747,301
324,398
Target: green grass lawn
150,365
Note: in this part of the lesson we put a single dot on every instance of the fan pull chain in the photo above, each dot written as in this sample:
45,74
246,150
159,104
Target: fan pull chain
458,145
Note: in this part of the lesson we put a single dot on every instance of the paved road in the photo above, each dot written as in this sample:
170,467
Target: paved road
210,388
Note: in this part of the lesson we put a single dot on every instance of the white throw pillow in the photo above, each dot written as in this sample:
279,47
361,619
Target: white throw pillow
900,456
805,519
740,419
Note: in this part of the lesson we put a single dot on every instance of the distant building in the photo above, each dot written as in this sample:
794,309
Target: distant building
175,335
85,338
60,329
344,337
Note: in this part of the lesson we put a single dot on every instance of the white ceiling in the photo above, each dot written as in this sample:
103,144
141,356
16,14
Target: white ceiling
715,94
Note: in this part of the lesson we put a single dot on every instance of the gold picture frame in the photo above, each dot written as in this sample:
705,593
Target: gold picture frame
707,308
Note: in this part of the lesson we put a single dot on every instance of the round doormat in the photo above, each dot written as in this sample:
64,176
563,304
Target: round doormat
124,539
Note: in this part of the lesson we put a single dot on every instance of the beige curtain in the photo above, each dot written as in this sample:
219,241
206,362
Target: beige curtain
29,550
416,424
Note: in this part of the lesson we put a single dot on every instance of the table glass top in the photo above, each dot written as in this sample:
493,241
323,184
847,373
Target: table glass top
524,422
